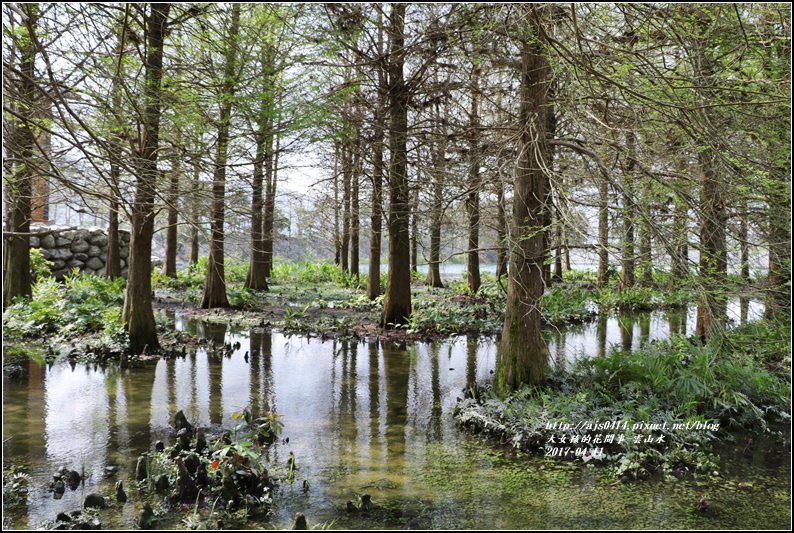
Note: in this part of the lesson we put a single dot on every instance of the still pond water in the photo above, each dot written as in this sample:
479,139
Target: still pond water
362,417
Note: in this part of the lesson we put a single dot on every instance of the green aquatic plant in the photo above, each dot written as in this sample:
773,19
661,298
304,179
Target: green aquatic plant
670,402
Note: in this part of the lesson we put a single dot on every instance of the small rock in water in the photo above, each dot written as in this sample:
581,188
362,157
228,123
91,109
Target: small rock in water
162,483
366,503
145,516
141,468
74,479
180,422
184,438
95,500
300,522
201,441
121,496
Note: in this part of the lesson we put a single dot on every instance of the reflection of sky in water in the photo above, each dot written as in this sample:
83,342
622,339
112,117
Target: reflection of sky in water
358,412
595,337
235,381
76,429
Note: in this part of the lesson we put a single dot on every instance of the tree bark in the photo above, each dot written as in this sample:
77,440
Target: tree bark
194,219
778,293
376,211
17,279
215,285
522,355
557,276
712,305
256,278
397,302
680,255
337,232
501,229
138,314
355,223
645,230
271,181
169,265
473,280
603,233
436,212
627,246
346,179
113,260
415,230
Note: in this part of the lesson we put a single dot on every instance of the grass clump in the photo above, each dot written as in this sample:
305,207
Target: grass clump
667,404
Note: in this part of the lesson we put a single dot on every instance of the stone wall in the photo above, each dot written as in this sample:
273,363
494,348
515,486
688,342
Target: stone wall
86,249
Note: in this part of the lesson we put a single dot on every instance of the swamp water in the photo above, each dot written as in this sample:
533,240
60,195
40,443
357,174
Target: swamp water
361,417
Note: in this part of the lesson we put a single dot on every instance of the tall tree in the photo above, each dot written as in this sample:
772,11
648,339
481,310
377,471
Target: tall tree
438,170
263,186
473,280
397,304
138,314
376,209
522,355
21,163
214,294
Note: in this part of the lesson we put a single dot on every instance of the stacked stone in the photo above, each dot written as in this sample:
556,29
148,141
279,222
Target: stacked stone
86,249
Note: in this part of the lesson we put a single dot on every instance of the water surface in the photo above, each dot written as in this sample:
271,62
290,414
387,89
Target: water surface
361,417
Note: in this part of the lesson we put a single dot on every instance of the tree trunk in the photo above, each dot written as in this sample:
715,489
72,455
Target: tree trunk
713,266
19,187
271,181
778,292
397,302
557,276
603,233
680,254
113,261
257,278
376,211
169,265
138,314
744,246
194,222
522,355
501,229
346,179
355,223
215,285
337,232
627,246
473,280
415,230
436,213
646,258
712,305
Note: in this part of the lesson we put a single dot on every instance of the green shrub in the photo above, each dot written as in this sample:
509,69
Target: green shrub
39,267
560,305
83,303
